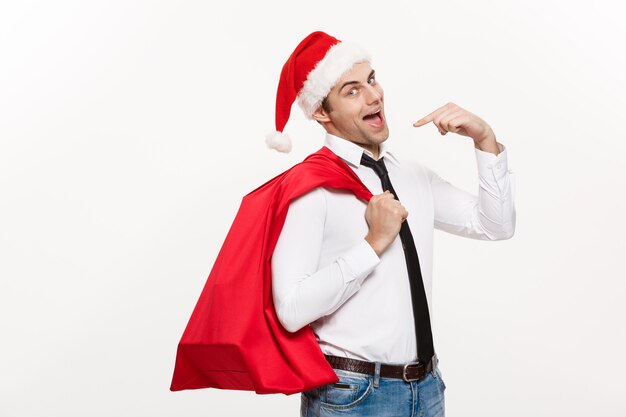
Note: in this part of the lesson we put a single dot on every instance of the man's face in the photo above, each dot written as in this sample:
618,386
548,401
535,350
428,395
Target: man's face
356,109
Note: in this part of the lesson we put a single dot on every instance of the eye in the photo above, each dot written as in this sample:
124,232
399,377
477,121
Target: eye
371,81
352,91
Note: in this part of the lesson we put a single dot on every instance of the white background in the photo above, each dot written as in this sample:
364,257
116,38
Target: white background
130,130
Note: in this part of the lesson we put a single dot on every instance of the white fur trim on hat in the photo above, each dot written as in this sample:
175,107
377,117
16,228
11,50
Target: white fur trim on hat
337,61
278,141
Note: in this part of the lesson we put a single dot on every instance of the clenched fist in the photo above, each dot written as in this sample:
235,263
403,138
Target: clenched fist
384,216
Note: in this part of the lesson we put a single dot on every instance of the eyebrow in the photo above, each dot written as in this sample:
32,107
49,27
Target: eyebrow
356,82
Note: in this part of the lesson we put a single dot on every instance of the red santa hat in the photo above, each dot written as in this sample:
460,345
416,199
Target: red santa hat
314,67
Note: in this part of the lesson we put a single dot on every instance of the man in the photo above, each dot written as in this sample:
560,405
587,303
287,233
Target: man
360,273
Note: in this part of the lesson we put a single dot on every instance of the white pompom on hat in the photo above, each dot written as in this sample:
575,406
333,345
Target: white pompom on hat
311,71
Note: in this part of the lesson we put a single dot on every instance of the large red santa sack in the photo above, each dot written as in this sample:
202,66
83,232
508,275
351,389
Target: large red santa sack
233,339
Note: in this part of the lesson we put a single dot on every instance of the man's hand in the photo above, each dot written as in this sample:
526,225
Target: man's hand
384,216
452,118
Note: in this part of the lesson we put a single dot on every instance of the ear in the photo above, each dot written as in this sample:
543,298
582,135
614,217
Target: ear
320,115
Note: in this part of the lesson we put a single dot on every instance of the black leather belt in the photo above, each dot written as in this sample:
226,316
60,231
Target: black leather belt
413,371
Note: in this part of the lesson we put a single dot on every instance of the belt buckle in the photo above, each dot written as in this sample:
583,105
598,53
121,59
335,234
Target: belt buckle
406,367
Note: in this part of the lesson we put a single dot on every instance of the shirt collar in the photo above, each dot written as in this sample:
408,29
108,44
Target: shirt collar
351,152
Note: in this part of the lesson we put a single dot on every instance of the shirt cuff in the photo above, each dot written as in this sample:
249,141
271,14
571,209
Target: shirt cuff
490,165
359,261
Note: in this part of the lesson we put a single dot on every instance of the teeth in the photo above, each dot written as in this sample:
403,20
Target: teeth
373,114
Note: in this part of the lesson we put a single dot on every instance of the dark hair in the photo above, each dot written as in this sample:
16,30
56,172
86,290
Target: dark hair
326,105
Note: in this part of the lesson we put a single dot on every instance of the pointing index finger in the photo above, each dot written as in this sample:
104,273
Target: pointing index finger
429,118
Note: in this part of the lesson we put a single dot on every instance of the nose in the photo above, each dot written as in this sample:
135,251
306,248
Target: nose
374,94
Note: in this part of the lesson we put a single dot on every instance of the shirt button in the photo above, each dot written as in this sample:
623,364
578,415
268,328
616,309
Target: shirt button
499,166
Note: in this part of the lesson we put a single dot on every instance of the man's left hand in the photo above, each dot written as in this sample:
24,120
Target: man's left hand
452,118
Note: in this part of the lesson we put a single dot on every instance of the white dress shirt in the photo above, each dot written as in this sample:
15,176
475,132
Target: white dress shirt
325,274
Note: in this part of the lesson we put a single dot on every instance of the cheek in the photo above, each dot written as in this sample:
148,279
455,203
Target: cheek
347,113
353,111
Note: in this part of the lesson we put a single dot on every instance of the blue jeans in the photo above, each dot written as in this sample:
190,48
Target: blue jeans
368,395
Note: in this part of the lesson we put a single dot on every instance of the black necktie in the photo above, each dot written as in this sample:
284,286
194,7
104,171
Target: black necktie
425,350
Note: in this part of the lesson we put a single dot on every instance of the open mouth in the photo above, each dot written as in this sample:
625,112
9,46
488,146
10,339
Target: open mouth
375,119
